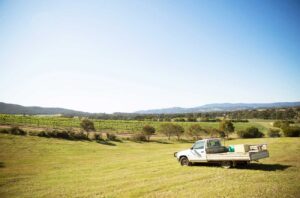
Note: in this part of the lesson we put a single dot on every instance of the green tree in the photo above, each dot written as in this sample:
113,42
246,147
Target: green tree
170,129
196,131
87,125
178,130
148,131
166,129
226,126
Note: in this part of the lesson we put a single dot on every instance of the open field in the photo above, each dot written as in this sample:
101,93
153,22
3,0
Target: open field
118,126
42,167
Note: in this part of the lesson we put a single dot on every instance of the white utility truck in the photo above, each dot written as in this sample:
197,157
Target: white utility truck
211,151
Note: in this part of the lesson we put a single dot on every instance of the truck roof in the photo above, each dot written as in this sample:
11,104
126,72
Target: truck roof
209,139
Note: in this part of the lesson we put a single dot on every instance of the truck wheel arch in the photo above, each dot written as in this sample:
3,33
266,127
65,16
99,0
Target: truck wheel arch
186,161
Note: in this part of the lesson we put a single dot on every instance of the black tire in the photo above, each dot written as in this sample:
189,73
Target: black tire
184,161
226,164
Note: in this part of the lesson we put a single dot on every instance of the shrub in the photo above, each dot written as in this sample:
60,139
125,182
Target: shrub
42,134
215,132
17,131
79,136
192,119
111,136
52,133
139,137
274,133
148,131
98,136
196,131
292,131
170,129
251,132
227,127
179,120
67,134
281,124
63,135
87,125
4,131
239,120
14,131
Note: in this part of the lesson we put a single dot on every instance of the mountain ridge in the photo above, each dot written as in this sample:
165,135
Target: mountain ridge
7,108
219,107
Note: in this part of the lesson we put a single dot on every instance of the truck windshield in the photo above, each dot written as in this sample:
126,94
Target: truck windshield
213,143
199,145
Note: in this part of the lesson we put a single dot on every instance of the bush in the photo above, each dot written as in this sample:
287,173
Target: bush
291,131
196,131
98,136
4,131
42,134
67,134
213,132
221,134
63,135
148,131
274,133
170,129
227,127
179,120
14,131
111,137
192,119
239,120
139,137
79,136
251,132
282,124
87,125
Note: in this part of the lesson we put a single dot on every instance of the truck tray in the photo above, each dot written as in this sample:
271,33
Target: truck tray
230,156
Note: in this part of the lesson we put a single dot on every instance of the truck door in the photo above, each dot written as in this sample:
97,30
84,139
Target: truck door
198,151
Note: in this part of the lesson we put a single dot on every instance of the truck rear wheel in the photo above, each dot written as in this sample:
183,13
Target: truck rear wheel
184,161
226,164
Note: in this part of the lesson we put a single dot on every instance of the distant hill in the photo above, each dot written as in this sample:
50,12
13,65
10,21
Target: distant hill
34,110
7,108
220,107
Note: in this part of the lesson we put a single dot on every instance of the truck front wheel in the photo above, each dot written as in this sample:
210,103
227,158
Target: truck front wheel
184,161
226,164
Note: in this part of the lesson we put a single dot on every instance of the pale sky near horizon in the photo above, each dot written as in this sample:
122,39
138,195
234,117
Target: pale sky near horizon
124,56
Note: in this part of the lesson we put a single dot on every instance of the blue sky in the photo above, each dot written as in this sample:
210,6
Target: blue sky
123,56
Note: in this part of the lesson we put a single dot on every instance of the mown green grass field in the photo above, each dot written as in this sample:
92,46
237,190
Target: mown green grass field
44,167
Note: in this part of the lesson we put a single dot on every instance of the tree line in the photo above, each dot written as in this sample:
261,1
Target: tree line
291,113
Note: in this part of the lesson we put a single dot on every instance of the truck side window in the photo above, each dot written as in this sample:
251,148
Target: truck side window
199,145
213,143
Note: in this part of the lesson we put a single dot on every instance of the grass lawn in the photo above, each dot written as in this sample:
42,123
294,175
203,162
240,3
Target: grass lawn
41,167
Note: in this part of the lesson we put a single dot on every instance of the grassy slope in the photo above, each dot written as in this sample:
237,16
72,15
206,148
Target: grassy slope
41,167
